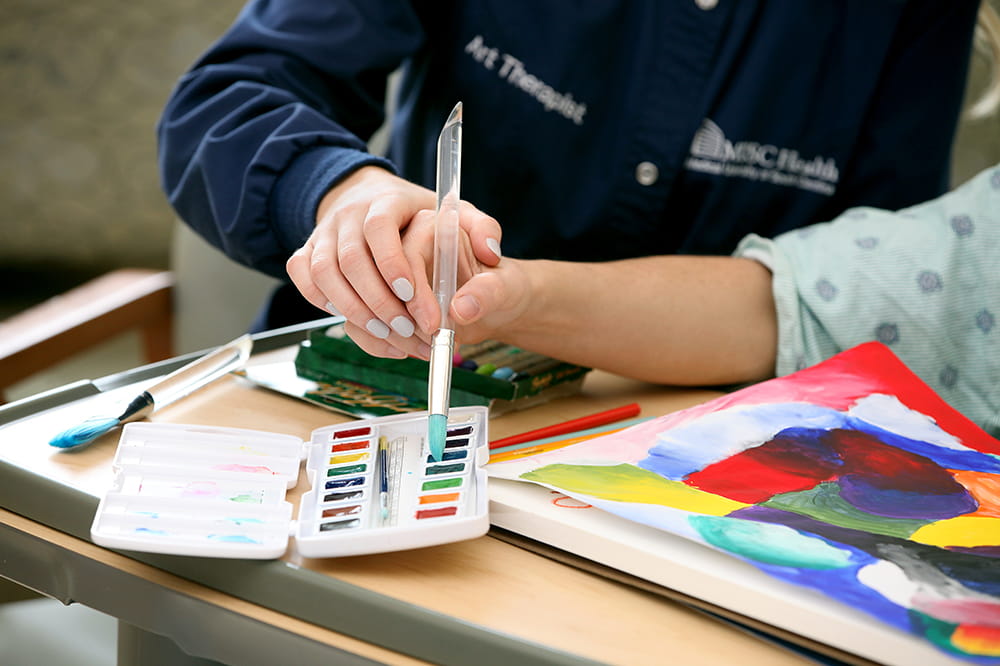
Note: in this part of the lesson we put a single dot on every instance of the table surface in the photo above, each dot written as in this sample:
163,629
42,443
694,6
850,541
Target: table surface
484,597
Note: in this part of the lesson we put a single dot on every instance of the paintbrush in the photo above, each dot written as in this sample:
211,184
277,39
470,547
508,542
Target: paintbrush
174,386
449,164
383,473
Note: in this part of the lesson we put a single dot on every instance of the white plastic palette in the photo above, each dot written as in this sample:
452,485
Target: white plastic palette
220,492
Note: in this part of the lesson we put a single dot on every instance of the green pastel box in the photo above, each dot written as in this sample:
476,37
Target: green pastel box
332,359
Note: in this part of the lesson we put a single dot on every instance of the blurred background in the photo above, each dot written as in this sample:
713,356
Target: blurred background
83,85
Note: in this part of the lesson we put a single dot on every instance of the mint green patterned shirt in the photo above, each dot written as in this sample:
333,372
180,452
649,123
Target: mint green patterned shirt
924,280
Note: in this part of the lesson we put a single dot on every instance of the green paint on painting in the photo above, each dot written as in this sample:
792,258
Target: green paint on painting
823,502
769,543
936,631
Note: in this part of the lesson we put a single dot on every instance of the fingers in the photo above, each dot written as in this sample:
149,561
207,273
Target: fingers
381,231
298,268
388,347
353,264
484,234
370,259
347,273
419,251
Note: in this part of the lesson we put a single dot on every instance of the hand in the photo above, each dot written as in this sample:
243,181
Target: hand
353,263
491,294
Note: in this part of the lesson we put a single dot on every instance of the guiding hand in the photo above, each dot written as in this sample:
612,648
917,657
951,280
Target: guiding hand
354,264
491,294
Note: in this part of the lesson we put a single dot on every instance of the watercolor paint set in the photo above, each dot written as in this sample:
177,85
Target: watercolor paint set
221,492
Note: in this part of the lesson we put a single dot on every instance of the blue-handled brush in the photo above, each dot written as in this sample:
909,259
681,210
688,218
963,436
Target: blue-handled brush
174,386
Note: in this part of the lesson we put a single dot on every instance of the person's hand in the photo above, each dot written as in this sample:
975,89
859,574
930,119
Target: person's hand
354,264
491,296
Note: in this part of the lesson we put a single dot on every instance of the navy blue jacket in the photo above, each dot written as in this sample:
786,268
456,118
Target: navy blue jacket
593,129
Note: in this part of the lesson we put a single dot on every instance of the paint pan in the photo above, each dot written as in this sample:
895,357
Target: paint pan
220,492
425,502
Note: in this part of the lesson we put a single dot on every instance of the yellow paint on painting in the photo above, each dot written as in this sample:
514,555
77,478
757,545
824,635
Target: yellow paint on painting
965,531
629,483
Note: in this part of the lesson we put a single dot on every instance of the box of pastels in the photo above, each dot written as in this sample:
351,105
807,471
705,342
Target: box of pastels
221,492
499,376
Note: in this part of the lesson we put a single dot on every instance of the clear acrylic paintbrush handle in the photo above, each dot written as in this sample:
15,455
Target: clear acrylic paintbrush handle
196,374
449,161
446,220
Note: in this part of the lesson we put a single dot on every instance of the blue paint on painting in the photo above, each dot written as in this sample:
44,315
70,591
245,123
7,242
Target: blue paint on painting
681,451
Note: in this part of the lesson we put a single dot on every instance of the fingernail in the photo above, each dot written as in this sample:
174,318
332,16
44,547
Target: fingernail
331,309
424,352
494,246
392,352
403,289
422,319
466,307
377,328
403,326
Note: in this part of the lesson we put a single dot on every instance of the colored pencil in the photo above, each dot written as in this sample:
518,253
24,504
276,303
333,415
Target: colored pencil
551,446
582,423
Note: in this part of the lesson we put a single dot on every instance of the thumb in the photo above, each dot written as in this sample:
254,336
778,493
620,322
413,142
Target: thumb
494,299
481,295
467,306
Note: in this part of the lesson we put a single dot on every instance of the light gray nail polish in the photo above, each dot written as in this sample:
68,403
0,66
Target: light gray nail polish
403,326
494,246
331,309
403,289
377,328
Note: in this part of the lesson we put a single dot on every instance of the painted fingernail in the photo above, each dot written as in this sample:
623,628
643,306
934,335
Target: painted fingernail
466,307
331,309
424,351
403,289
494,246
392,352
403,326
377,328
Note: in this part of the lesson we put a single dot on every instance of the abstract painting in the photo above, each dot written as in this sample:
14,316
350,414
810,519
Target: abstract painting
851,477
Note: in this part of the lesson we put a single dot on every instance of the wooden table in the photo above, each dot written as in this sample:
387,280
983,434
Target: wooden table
483,601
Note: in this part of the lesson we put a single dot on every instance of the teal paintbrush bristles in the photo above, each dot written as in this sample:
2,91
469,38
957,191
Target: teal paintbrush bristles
84,433
436,433
93,428
174,386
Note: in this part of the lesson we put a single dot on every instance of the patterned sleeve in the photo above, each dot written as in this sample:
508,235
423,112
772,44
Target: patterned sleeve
924,280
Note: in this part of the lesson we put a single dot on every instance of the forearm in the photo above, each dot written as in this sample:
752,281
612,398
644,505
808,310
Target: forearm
669,319
273,114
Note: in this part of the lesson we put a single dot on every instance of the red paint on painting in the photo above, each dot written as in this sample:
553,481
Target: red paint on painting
799,459
887,467
977,639
780,465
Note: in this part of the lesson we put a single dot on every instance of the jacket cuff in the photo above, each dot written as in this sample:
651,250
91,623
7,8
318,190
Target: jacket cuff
298,191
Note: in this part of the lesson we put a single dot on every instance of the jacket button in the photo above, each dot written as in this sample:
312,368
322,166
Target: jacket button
706,4
646,173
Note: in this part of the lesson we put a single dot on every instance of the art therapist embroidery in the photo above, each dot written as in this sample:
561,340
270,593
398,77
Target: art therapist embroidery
851,477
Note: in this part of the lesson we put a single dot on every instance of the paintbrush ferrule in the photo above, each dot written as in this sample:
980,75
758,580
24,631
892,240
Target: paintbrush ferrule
140,407
439,381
